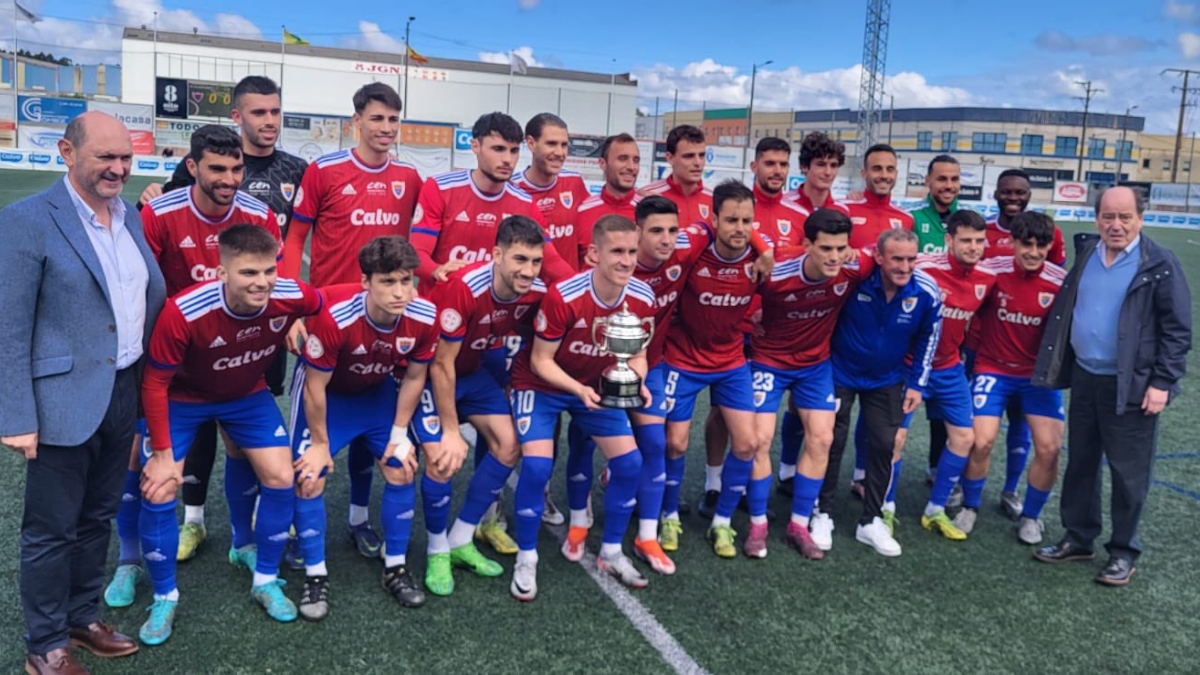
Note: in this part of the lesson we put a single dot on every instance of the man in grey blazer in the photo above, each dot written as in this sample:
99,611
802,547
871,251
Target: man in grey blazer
81,292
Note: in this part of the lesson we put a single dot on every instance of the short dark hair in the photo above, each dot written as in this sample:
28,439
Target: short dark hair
246,238
829,221
616,138
497,123
772,144
540,121
684,132
611,223
384,255
254,84
818,144
1031,225
75,133
378,92
216,139
1139,199
519,230
1012,173
940,159
654,205
730,189
965,218
879,147
897,234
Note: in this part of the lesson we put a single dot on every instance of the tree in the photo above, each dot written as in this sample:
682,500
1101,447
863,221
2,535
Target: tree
44,56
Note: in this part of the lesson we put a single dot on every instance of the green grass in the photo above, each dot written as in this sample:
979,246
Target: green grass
979,605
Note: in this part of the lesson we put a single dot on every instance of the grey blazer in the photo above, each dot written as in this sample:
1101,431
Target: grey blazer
58,343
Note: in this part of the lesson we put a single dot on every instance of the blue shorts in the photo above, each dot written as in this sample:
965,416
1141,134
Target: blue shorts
947,398
475,394
498,360
731,389
536,413
811,387
655,381
991,394
253,422
366,415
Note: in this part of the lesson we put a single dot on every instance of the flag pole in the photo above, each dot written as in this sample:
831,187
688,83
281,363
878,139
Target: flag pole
282,61
407,50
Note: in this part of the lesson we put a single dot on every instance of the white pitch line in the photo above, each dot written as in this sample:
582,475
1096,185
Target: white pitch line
1193,242
642,619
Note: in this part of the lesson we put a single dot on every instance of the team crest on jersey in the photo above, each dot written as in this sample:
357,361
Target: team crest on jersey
277,323
785,226
760,397
1045,299
398,189
908,305
404,345
432,424
980,291
673,272
566,199
840,289
523,425
980,401
314,347
896,224
520,311
704,210
749,267
944,293
288,190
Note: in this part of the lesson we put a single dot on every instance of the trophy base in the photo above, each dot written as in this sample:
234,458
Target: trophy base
622,402
622,395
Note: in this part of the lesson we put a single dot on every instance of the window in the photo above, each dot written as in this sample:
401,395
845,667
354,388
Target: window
1187,165
1166,165
1125,150
925,140
1031,144
1066,146
949,141
988,142
1145,164
1096,148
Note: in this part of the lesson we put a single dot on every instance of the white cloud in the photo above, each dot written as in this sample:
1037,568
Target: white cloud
1189,44
1182,11
525,52
237,25
372,38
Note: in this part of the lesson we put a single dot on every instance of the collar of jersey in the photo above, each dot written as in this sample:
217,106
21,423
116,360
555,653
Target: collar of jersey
364,166
599,302
367,316
525,177
199,214
240,317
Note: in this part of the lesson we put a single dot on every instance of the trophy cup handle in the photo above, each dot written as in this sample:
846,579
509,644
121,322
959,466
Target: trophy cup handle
598,322
648,322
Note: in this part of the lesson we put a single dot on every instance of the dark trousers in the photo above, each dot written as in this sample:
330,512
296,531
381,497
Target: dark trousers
1127,441
71,497
882,413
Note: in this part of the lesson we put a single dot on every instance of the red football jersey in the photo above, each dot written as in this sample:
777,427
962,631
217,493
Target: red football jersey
667,281
714,300
800,198
343,340
873,215
558,203
1000,243
469,312
566,316
692,208
963,292
1013,317
347,204
778,220
184,241
596,207
799,315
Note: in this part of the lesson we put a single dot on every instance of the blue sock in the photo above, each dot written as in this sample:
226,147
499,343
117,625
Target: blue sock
1019,441
675,470
652,443
891,493
791,438
862,446
487,483
310,528
482,449
805,493
621,496
1035,499
949,471
160,541
241,490
276,510
973,492
435,498
758,493
529,502
127,519
735,476
396,512
580,467
361,464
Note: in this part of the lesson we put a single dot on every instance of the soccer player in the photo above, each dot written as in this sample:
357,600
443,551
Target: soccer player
820,159
1013,193
873,212
478,306
558,193
344,390
686,150
560,372
207,357
800,306
778,220
1012,318
620,161
894,314
943,178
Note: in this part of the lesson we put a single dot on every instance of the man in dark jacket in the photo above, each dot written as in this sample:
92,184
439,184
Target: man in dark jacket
1118,335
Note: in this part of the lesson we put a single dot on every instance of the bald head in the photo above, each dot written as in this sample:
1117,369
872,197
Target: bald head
98,153
1119,216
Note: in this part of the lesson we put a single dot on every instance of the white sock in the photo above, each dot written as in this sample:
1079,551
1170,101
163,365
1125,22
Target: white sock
610,551
193,514
889,506
802,521
173,596
787,471
712,478
579,518
932,509
490,514
358,515
438,542
460,534
859,474
394,560
758,520
718,521
674,515
647,529
317,570
261,579
527,557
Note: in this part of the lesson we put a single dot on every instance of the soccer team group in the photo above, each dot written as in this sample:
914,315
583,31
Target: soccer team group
472,298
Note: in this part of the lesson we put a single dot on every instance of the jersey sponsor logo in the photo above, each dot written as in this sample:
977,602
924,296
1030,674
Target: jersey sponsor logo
248,333
956,313
212,241
276,324
451,320
349,190
704,273
980,290
314,348
809,314
486,220
673,272
581,324
288,190
703,210
784,226
840,288
187,242
585,349
863,297
1045,299
398,189
467,255
360,350
539,323
908,305
727,272
486,320
404,345
370,368
376,217
203,273
561,231
664,300
251,356
520,311
546,204
377,187
1019,318
724,299
567,199
858,220
462,217
217,342
257,187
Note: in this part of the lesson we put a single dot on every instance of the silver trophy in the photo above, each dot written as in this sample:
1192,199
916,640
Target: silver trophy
625,335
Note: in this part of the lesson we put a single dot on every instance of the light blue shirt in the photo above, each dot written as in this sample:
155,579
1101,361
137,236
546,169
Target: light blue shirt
1102,290
125,274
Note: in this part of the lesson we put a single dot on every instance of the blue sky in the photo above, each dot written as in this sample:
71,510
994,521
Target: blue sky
1020,53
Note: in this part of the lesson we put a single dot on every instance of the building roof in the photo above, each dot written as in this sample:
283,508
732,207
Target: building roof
220,42
1067,118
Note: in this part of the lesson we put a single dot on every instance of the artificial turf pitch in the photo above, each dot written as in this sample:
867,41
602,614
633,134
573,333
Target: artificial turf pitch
982,605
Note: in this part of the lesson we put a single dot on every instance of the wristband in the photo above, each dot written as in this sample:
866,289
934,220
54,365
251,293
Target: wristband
399,438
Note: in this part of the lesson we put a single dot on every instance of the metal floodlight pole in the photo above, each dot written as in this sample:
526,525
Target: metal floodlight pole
750,110
407,49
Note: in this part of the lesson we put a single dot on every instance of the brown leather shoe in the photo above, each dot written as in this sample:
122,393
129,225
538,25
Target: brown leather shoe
59,661
100,639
